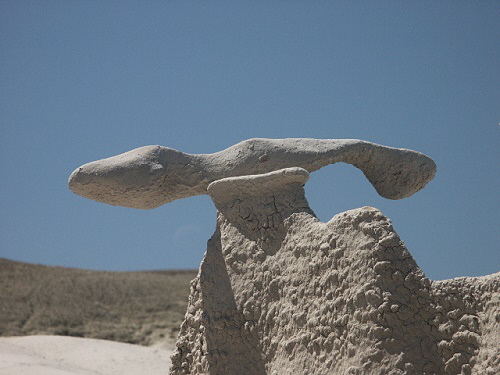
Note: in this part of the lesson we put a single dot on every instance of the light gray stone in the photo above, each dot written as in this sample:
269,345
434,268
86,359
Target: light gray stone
279,292
150,176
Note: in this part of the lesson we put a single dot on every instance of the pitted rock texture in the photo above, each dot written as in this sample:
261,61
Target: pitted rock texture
279,292
150,176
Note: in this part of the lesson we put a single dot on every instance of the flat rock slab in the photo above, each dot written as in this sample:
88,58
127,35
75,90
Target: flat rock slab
63,355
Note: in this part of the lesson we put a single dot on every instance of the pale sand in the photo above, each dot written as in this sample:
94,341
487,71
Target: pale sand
62,355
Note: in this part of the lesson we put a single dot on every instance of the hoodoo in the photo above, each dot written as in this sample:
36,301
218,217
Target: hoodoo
279,292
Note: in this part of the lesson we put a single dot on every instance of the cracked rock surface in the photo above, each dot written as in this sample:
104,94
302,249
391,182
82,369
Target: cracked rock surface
279,292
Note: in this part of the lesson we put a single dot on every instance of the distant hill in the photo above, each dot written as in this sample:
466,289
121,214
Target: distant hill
144,308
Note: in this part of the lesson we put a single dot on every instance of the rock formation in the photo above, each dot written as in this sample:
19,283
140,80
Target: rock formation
279,292
150,176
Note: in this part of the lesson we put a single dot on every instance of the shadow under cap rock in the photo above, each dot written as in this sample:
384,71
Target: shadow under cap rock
229,343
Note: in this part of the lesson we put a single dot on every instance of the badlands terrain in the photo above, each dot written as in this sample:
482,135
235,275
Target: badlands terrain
63,321
144,308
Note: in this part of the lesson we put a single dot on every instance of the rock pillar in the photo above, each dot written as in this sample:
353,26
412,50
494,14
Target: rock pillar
279,292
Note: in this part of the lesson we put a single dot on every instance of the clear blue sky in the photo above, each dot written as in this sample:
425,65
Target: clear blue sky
84,80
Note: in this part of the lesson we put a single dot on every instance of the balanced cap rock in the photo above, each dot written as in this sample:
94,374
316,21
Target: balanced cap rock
150,176
279,292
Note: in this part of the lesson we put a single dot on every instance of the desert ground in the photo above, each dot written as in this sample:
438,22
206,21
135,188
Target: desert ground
64,355
57,320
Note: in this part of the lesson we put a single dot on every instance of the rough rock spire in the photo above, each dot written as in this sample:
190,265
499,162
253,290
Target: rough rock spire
279,292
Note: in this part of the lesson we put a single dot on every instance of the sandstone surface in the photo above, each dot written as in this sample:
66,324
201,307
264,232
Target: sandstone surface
279,292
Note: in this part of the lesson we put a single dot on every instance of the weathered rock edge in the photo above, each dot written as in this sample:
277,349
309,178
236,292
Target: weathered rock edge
279,292
150,176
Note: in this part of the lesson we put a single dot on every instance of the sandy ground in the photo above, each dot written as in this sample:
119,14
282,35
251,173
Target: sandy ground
62,355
